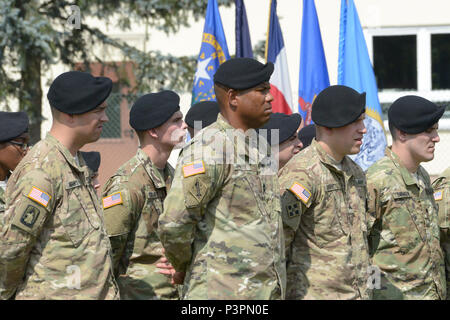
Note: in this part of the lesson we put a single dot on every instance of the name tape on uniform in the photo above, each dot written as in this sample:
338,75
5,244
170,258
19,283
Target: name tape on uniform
193,168
39,196
112,200
438,195
301,192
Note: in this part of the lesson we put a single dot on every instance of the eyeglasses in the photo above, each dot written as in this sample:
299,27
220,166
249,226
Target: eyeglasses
23,145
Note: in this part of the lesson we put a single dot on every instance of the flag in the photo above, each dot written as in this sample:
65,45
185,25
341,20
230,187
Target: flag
355,71
313,66
243,42
213,52
280,85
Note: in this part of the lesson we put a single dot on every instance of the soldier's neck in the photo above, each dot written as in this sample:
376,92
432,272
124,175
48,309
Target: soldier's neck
330,151
66,138
157,154
405,157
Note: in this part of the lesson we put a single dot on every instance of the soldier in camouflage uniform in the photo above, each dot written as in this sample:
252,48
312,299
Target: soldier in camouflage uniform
221,223
14,139
140,186
324,204
53,244
441,187
404,237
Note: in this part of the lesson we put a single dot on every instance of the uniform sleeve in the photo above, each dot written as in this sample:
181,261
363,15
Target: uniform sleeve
30,200
441,188
122,205
374,214
195,184
297,193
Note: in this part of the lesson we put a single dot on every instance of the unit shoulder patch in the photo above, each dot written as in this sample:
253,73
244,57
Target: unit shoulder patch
112,200
301,192
29,216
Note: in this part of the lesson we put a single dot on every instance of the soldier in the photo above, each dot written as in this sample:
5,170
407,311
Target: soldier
404,237
441,187
53,244
14,139
221,223
92,160
285,142
201,115
133,198
323,204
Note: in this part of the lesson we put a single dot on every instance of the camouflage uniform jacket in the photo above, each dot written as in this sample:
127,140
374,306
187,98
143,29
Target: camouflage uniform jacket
441,188
53,244
2,201
221,222
325,226
404,237
131,222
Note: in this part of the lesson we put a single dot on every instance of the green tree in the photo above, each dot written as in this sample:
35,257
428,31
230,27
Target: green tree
34,35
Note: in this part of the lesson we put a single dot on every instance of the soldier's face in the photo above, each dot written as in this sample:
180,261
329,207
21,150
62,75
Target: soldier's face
254,105
422,145
90,124
288,149
173,131
11,153
348,139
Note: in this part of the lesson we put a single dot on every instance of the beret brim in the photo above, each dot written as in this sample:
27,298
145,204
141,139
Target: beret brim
12,125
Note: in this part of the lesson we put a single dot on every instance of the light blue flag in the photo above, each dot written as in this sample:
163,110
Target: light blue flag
213,52
355,71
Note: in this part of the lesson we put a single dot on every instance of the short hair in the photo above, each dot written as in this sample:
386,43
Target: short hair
392,129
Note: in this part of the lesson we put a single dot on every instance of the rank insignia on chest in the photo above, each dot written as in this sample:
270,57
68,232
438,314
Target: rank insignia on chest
112,200
29,216
39,196
438,195
194,168
301,192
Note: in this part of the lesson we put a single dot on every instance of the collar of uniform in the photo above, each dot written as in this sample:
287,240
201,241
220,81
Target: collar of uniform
223,123
151,170
66,153
408,178
328,160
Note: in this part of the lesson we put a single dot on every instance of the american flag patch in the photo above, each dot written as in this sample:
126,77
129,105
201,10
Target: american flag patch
301,192
193,169
112,200
438,195
39,196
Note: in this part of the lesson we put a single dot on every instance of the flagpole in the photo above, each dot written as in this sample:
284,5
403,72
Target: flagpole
268,30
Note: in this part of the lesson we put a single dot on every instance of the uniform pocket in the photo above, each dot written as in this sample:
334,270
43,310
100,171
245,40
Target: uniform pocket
76,218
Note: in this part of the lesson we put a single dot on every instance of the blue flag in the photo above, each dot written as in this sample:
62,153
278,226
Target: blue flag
213,53
243,42
313,66
355,71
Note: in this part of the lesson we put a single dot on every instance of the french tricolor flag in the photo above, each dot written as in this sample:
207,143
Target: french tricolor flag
280,85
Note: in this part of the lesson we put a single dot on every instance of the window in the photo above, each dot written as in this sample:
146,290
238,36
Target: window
440,61
394,59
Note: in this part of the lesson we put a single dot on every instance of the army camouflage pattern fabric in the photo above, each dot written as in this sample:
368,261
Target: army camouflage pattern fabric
132,227
404,234
2,201
325,229
223,226
441,187
53,244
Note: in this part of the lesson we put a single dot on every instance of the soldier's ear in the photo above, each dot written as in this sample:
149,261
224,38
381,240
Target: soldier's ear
233,98
153,133
401,136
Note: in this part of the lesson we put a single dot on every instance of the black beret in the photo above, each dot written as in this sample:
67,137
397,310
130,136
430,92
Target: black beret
338,106
306,134
243,73
204,111
414,114
153,109
12,125
92,160
286,124
76,92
